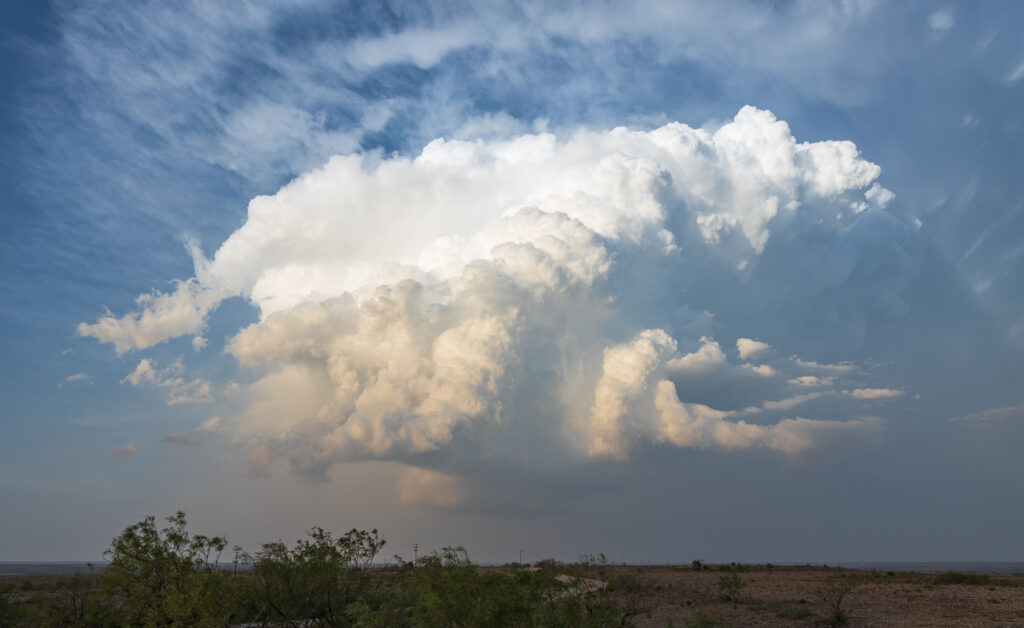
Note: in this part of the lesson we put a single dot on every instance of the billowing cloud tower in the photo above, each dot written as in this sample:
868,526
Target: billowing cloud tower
540,300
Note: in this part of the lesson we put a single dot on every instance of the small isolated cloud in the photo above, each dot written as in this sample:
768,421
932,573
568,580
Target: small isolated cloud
209,425
179,439
942,20
750,349
842,367
875,393
786,403
198,343
126,451
77,377
180,391
161,316
812,381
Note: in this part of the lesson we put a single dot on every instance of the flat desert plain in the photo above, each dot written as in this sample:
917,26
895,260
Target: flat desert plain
806,596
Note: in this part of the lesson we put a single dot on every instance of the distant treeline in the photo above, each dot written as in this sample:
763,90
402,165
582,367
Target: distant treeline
171,577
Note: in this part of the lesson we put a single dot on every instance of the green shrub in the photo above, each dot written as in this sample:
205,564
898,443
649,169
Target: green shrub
165,576
317,580
705,617
729,587
833,592
957,577
10,614
795,612
172,577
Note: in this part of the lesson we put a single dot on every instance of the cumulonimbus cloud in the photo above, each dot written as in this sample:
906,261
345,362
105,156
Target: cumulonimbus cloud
514,299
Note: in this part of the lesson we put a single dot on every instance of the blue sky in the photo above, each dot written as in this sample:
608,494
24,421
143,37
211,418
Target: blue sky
673,281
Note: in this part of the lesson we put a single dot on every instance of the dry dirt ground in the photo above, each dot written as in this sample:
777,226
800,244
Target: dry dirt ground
802,596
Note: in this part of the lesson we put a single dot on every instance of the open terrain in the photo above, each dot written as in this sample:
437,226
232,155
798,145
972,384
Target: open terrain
805,596
760,595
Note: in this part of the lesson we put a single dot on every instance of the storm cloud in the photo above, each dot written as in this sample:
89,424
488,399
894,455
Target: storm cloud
535,299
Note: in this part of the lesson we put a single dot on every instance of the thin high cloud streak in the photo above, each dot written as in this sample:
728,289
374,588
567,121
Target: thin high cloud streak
178,71
992,416
77,377
187,81
528,305
187,77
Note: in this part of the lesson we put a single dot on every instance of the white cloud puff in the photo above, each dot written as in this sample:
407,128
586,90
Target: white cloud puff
695,425
161,316
511,300
708,358
750,349
209,425
761,369
942,20
875,393
180,391
812,380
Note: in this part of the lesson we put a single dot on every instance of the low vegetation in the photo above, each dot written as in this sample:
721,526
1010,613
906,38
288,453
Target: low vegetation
170,577
164,575
837,586
956,577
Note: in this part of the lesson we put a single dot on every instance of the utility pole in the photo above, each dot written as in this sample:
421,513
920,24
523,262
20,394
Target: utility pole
520,558
415,551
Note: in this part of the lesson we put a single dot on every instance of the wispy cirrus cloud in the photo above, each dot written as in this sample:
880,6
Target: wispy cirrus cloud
77,377
993,415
